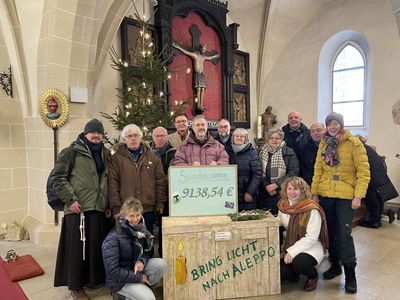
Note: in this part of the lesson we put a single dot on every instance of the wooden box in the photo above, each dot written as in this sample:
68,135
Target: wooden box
214,258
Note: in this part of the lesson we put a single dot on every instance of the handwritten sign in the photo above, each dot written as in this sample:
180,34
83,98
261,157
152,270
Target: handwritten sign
202,190
234,263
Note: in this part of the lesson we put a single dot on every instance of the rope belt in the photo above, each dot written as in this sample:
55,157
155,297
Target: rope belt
82,231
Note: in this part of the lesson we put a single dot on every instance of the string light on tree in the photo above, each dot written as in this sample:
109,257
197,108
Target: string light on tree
142,100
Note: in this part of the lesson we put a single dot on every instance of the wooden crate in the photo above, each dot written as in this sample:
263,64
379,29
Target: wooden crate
214,258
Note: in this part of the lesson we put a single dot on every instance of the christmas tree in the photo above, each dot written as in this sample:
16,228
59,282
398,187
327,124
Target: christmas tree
142,99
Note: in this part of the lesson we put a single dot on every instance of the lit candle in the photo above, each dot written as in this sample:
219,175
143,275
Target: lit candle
259,127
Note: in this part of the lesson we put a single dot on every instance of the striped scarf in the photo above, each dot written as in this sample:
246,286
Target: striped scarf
298,221
278,167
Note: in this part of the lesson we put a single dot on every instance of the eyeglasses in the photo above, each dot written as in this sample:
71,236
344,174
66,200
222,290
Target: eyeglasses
240,136
130,136
160,136
223,126
316,130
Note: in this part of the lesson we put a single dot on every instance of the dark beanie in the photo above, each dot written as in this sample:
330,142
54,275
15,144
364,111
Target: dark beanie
94,126
334,116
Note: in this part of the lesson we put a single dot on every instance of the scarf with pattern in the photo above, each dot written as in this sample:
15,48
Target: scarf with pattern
298,221
138,231
330,155
278,167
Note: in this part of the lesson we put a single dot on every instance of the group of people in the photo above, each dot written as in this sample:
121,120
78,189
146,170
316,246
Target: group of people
125,191
128,191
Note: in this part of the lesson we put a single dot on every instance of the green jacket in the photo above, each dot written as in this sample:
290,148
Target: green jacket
83,184
350,177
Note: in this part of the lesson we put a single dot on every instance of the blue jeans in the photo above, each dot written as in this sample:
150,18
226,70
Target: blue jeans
155,270
339,218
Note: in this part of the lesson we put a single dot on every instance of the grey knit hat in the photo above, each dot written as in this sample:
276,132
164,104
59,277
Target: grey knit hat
94,126
334,116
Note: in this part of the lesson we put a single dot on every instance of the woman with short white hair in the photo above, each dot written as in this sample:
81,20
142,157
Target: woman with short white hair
249,169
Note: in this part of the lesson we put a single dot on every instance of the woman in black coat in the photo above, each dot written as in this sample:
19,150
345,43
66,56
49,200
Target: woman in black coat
249,169
278,163
380,189
127,254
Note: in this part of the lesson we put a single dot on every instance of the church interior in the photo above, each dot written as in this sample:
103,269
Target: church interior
288,47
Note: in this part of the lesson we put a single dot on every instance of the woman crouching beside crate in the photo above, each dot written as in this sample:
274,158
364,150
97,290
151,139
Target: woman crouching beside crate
306,238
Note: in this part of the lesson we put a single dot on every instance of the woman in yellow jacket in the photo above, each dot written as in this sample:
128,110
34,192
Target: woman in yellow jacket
341,177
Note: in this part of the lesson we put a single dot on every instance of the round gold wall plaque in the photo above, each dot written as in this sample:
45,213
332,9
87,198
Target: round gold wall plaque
53,107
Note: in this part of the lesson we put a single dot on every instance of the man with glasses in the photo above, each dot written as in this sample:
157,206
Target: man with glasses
182,130
136,171
200,148
163,149
224,137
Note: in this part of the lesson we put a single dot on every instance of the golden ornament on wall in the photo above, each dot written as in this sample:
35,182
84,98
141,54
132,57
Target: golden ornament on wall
53,107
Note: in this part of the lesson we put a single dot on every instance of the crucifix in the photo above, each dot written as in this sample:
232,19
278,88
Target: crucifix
199,54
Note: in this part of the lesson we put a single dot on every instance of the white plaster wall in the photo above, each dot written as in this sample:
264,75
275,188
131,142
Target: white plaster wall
105,93
291,84
30,17
248,38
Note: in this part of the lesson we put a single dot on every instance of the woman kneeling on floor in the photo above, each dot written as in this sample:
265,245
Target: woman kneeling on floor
127,252
306,238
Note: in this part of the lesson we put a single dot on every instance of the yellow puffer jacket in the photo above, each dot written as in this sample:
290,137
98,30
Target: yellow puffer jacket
349,178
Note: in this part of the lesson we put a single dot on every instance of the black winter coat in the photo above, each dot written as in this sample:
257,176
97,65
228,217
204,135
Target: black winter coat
121,251
307,156
379,177
249,175
296,139
166,158
228,147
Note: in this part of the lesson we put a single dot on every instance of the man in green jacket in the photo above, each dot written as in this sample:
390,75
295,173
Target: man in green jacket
83,189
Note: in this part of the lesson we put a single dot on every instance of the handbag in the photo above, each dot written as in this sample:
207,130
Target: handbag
21,267
387,191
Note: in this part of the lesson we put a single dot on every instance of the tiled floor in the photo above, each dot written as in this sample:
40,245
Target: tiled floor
378,270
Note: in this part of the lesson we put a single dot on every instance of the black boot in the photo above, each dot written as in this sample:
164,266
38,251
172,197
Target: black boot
334,270
351,282
390,214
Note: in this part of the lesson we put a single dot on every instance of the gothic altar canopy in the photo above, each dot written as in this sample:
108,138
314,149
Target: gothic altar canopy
200,48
